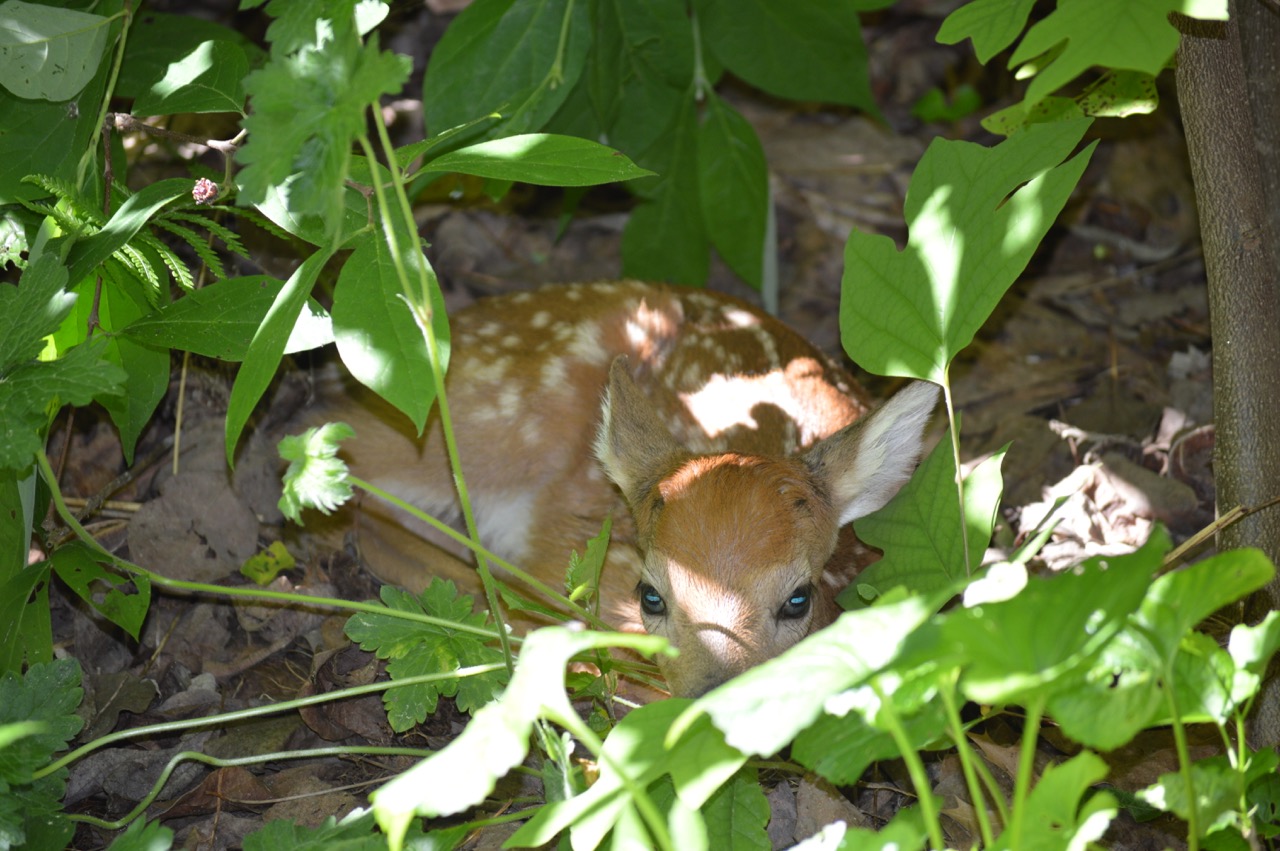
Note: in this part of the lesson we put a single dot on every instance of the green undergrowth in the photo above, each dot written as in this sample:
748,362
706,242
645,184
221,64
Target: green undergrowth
112,282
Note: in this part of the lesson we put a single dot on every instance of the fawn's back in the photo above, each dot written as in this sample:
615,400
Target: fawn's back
725,450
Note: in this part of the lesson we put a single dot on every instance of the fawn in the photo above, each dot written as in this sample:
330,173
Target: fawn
730,454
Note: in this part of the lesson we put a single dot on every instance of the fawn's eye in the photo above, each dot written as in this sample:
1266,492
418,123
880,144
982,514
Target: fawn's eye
797,604
650,600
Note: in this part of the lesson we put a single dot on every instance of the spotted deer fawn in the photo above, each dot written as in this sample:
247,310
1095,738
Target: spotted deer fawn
728,450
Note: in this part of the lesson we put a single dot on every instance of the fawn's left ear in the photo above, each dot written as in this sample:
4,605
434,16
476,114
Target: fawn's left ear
864,464
633,445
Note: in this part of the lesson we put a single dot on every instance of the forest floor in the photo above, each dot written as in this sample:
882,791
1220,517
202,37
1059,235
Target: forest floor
1095,370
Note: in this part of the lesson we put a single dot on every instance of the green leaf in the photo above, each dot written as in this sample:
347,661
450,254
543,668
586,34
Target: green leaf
519,58
497,739
1218,790
267,347
219,320
44,138
31,810
1136,35
208,79
1056,815
146,369
32,310
316,477
733,188
307,109
124,224
1179,600
104,590
26,630
841,747
919,530
641,71
582,579
145,835
47,52
738,813
802,51
992,24
671,215
378,338
1251,647
29,389
1052,627
353,833
1120,693
975,215
158,40
699,764
418,649
542,159
762,710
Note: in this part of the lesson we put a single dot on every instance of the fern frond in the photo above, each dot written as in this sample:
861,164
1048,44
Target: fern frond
141,267
177,268
206,254
229,238
264,223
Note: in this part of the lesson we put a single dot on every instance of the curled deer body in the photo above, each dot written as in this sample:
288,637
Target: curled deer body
730,454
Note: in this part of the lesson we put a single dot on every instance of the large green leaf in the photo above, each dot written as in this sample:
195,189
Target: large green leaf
267,347
517,57
920,532
542,159
802,51
671,216
219,320
378,338
47,52
975,215
208,79
733,188
158,40
992,24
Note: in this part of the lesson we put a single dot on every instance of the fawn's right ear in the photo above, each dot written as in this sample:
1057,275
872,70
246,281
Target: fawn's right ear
865,464
633,444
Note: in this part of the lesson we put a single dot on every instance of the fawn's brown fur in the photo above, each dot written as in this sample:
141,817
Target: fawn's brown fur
730,453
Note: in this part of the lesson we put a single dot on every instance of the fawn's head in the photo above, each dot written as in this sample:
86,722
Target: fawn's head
734,546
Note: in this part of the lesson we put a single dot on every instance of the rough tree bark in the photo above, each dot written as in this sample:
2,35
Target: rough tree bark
1228,95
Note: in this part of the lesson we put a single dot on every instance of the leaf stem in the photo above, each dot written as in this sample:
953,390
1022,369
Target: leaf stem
420,305
129,567
445,529
218,762
257,712
954,431
915,766
1026,767
965,752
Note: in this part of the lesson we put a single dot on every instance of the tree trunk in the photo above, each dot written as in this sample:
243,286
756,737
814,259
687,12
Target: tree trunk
1238,223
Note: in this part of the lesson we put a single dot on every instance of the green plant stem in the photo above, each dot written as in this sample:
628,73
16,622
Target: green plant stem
701,85
1026,767
477,548
420,305
257,712
965,752
87,157
568,719
915,766
994,792
60,505
556,73
954,431
1184,760
216,762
